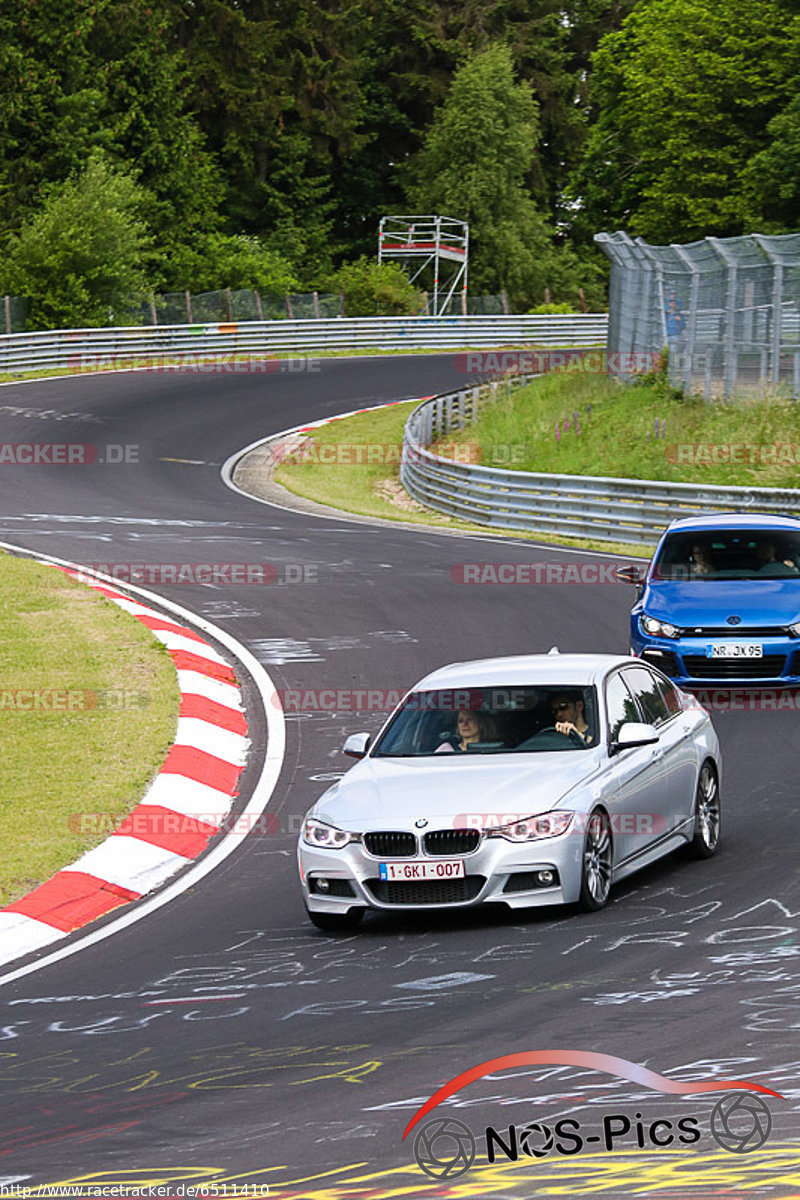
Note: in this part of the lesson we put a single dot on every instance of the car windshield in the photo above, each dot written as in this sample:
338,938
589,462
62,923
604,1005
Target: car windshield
492,720
708,555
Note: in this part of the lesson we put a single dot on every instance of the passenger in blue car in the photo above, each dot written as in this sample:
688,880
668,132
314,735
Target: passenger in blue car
770,564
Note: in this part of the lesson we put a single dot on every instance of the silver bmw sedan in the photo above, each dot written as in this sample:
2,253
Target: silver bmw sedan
532,780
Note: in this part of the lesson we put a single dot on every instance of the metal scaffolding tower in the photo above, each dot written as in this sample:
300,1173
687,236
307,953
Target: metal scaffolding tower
425,243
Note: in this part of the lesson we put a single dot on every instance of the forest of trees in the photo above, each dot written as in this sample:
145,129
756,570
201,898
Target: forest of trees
157,145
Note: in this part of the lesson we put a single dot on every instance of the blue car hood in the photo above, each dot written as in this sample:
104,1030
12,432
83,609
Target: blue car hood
701,602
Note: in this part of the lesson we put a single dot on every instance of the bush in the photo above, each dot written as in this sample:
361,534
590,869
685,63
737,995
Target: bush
549,309
217,260
78,259
373,289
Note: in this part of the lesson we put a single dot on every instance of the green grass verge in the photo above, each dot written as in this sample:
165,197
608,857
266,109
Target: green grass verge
615,433
95,755
353,486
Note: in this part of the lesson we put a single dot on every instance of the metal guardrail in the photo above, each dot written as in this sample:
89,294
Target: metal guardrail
88,349
605,509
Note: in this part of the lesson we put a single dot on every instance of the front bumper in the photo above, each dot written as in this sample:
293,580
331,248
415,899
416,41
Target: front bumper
496,872
685,660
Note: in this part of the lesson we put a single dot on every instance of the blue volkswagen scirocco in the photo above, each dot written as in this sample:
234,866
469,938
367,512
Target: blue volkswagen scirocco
720,601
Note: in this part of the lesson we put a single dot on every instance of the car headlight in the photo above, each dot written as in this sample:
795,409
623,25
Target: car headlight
547,825
794,629
658,628
327,837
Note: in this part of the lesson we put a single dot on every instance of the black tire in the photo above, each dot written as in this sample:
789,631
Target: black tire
336,922
707,814
596,860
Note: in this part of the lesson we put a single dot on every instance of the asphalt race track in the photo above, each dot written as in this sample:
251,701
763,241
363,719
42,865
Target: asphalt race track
222,1040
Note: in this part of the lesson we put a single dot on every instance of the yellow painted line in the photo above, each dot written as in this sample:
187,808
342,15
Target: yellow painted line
672,1173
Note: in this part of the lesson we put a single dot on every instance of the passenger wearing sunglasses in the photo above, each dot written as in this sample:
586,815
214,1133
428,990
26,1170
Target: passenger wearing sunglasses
568,716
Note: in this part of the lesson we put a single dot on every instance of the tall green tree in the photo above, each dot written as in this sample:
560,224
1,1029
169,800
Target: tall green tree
684,95
79,258
772,178
473,166
411,51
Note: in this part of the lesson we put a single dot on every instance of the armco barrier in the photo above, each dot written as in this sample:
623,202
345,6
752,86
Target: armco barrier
87,349
633,511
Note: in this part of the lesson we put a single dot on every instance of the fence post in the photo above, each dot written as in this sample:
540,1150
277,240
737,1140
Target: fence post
228,304
315,296
188,296
259,308
777,308
153,313
729,364
505,304
691,333
8,313
289,312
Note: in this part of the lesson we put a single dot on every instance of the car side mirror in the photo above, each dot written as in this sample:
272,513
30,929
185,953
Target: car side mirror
633,573
356,745
634,733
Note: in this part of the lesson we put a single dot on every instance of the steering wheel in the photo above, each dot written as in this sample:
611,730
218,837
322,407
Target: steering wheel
573,734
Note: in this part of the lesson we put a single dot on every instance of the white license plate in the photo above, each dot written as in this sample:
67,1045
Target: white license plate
410,872
734,650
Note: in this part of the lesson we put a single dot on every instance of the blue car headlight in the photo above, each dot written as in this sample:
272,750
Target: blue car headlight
657,628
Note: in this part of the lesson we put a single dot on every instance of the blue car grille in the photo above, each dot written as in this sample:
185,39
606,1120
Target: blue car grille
734,631
769,667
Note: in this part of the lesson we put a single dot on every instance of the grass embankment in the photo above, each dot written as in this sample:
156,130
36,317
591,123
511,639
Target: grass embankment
643,431
93,737
351,462
373,489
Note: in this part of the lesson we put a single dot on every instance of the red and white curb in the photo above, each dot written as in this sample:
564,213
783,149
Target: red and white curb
182,810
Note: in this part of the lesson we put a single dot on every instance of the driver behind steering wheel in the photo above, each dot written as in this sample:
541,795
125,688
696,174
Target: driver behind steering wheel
568,716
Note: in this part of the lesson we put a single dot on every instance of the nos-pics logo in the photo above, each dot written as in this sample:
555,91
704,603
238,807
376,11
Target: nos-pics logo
445,1148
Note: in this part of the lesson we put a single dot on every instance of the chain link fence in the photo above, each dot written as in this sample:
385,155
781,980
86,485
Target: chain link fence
727,309
228,305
